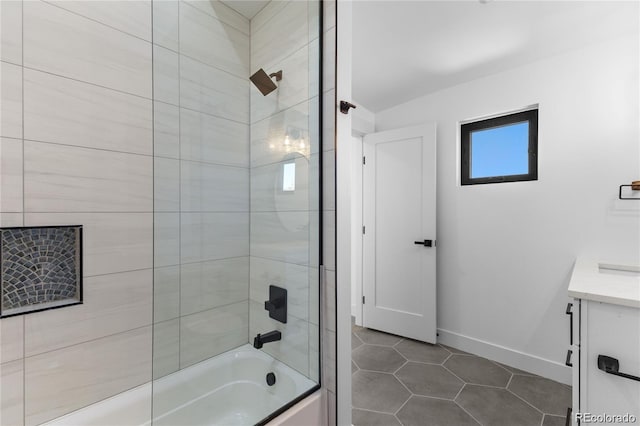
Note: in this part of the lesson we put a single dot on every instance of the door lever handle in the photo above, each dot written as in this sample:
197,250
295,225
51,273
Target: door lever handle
426,243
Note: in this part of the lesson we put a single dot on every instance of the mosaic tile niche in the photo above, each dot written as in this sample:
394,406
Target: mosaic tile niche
40,268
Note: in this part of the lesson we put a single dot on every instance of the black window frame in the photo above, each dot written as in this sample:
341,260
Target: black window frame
530,116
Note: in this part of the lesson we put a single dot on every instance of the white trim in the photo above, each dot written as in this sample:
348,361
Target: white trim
499,114
543,367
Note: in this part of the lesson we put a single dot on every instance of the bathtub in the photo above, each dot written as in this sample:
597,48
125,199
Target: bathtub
229,389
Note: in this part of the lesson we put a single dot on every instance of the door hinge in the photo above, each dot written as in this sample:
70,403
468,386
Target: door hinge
364,160
364,230
363,300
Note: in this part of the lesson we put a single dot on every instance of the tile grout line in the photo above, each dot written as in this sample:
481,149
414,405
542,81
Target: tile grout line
24,321
525,401
153,221
179,197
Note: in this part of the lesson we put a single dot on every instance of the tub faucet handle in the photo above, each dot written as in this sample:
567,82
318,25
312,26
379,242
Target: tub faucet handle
277,304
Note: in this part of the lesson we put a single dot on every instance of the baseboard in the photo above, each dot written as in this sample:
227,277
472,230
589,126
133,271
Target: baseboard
511,357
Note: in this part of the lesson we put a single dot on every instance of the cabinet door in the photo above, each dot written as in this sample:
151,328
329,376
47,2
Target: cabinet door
613,331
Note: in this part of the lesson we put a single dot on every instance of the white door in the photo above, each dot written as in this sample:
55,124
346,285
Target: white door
399,212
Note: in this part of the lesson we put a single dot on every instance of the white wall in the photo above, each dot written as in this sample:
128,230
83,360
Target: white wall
506,250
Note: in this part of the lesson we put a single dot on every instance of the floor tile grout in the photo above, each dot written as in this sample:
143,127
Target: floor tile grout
362,348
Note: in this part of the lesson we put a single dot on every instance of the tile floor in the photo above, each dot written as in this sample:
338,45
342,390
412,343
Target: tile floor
402,382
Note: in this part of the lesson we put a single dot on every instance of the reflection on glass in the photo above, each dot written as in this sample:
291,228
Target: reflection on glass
289,177
243,172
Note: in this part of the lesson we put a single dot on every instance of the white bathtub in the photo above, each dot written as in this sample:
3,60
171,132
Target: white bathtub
229,389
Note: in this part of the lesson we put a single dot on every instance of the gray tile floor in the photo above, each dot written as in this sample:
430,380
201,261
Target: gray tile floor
398,381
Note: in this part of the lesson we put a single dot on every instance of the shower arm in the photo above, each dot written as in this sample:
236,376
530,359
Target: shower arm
277,75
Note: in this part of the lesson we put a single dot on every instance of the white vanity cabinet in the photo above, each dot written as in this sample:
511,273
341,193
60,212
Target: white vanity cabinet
606,322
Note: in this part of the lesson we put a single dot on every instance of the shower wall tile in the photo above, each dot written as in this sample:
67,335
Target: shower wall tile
166,348
268,135
166,293
314,125
314,69
71,112
207,89
132,17
329,184
210,236
329,70
211,139
213,42
293,348
166,127
314,235
166,185
313,13
165,23
329,361
314,295
11,178
210,187
267,13
166,75
64,43
66,179
11,31
12,337
328,120
329,20
212,332
113,242
64,380
329,239
166,232
10,100
223,13
113,304
11,400
330,282
292,89
314,352
207,285
294,278
281,236
266,187
11,219
287,31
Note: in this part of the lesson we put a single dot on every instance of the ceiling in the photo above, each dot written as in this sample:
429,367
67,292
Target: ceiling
406,49
247,8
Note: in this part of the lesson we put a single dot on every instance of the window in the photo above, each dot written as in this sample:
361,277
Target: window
500,149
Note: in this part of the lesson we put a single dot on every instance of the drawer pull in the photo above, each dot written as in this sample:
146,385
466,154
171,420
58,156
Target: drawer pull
567,362
612,366
570,313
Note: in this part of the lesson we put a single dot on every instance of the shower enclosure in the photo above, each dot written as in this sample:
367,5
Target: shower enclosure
237,189
179,143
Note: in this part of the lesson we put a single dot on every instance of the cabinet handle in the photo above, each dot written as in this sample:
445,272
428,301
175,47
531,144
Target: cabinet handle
612,366
570,313
567,421
567,362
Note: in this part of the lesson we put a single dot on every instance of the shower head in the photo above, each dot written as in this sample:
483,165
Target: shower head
263,82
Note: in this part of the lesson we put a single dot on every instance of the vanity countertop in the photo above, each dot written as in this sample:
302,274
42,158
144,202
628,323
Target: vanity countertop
609,282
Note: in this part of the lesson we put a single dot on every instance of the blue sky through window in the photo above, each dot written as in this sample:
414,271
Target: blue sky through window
500,151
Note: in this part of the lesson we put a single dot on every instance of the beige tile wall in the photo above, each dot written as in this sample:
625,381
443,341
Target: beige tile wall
82,127
201,56
284,226
76,147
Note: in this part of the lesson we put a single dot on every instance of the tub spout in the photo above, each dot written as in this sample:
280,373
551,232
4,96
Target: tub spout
271,336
